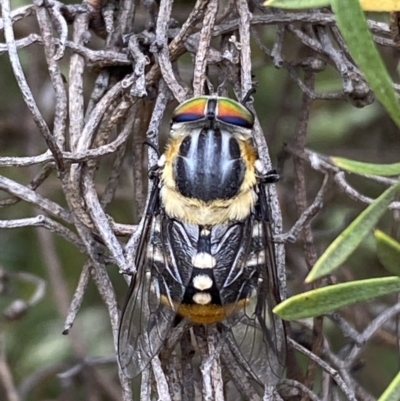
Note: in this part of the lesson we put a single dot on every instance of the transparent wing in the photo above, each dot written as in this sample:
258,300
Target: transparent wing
164,269
259,334
146,317
260,327
144,326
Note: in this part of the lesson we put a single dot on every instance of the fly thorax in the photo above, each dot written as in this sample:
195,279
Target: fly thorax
209,166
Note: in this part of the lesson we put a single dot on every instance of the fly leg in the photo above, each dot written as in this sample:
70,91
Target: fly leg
270,177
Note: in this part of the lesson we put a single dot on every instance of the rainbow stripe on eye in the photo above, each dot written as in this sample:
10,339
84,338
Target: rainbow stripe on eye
232,112
191,110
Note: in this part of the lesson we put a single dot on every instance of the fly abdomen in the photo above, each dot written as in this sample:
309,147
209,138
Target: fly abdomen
209,165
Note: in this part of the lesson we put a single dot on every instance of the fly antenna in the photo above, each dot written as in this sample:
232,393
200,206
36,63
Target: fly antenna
221,86
210,86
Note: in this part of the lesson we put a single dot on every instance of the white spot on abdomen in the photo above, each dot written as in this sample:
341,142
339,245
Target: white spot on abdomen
202,298
202,282
203,260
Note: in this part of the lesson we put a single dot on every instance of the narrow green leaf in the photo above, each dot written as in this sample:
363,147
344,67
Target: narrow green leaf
392,392
297,3
355,166
388,252
325,300
345,244
352,24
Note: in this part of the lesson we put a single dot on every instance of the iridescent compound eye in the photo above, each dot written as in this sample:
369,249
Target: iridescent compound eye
223,109
192,110
231,112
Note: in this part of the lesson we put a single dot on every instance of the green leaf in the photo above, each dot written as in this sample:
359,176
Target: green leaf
355,166
325,300
352,24
388,252
392,392
297,3
345,244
